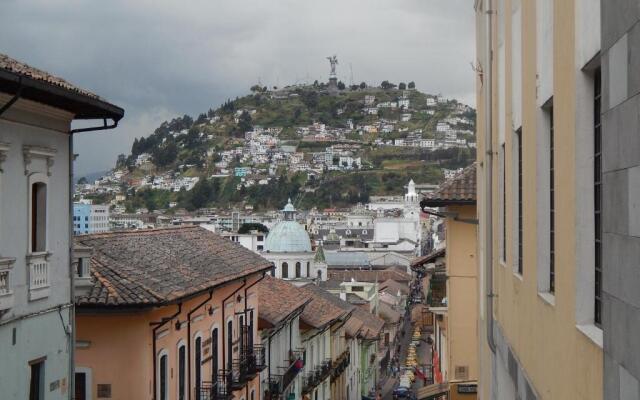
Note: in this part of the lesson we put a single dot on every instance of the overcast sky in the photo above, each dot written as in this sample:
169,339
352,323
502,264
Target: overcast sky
160,59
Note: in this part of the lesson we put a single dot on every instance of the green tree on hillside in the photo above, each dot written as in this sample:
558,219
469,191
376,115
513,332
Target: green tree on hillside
341,86
363,85
402,86
387,85
252,226
165,154
245,122
121,162
412,85
310,99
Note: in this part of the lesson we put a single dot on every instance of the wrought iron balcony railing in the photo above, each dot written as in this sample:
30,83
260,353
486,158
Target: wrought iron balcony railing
256,360
218,390
296,363
274,387
340,365
309,381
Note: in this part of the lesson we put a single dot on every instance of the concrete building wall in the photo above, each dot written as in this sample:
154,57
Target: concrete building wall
117,348
545,348
35,314
621,197
461,264
90,218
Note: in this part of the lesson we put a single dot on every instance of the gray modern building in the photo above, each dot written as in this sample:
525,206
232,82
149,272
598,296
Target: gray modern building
620,141
36,272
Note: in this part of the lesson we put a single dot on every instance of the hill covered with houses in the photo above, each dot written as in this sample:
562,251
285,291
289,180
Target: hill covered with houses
299,141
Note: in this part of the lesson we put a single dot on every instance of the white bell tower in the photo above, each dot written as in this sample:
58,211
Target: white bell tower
411,202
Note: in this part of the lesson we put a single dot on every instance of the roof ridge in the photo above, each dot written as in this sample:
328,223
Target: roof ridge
131,232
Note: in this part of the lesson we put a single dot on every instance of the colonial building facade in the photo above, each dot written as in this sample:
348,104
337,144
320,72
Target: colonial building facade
36,154
170,314
539,96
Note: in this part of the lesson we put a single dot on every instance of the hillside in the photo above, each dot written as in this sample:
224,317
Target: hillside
266,146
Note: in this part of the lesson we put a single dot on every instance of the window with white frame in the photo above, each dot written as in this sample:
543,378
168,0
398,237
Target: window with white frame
503,204
38,216
182,368
197,362
163,375
519,220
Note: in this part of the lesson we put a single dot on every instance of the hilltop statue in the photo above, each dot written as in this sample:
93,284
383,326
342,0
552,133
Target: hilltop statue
333,60
333,80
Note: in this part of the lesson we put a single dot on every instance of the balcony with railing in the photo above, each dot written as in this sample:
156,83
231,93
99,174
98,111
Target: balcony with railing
324,369
340,365
38,264
6,294
294,367
221,389
257,360
207,391
316,376
309,381
274,387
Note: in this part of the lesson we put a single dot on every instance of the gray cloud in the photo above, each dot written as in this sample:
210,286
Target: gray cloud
159,59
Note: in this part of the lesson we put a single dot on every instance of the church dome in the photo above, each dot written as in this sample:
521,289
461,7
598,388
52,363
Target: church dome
288,235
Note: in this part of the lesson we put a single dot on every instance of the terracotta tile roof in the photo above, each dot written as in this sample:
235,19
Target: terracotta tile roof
155,266
353,326
369,275
431,257
9,64
461,189
393,287
319,311
278,299
371,325
388,314
361,322
93,107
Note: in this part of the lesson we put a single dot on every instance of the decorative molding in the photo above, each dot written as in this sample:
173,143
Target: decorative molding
31,152
4,149
38,254
6,262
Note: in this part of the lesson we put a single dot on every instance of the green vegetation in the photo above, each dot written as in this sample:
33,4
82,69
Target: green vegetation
252,226
191,148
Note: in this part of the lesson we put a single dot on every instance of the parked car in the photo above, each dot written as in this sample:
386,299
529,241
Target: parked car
403,393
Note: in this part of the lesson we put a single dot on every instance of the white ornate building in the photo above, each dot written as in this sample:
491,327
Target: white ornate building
288,246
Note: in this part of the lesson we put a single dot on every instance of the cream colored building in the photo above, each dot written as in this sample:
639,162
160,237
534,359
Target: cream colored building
452,296
539,328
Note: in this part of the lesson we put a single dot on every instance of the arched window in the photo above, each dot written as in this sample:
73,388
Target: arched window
308,269
285,270
250,330
298,269
38,217
241,332
182,367
163,381
214,355
229,344
198,363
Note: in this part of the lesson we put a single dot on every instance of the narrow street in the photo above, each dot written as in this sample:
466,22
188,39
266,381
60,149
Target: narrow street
423,353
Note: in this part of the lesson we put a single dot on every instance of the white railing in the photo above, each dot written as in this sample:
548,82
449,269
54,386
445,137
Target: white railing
4,282
38,271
